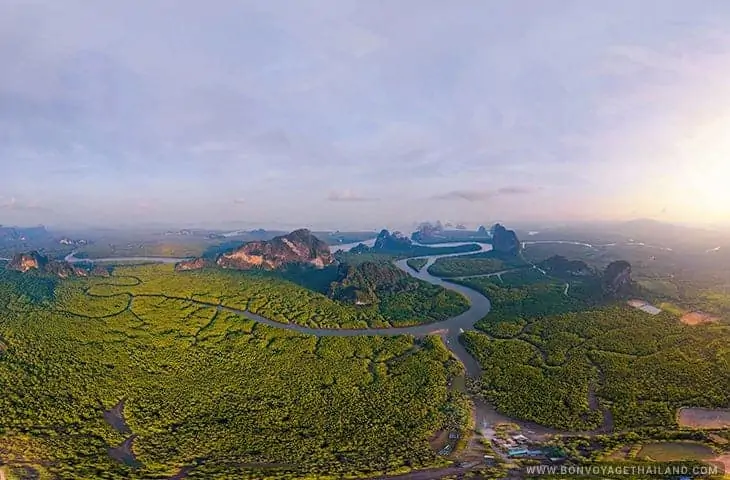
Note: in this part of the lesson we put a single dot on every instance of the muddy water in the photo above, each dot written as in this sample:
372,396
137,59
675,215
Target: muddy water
124,452
115,417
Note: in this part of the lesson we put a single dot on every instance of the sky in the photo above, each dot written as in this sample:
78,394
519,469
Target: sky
359,114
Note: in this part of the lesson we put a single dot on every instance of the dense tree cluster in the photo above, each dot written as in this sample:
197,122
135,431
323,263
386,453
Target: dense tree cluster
275,296
399,297
547,356
35,286
209,389
525,294
398,246
417,263
475,264
559,266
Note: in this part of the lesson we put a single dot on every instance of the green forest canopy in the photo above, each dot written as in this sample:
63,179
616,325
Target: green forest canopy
207,387
542,352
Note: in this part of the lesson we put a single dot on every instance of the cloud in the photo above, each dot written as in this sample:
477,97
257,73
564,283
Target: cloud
406,97
348,196
515,190
468,195
239,201
482,195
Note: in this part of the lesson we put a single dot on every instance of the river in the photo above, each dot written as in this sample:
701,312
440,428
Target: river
449,329
346,247
70,258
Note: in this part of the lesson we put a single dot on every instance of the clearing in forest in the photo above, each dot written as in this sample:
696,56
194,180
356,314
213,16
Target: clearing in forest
704,418
698,318
675,451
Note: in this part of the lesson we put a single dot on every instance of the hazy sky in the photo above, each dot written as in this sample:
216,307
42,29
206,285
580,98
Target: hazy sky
345,113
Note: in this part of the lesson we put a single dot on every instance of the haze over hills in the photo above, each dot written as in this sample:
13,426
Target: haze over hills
187,242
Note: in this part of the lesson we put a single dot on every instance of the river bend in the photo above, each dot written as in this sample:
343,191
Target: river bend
449,329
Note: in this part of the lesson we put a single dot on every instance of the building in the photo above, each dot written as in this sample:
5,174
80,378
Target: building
446,450
520,439
517,452
505,444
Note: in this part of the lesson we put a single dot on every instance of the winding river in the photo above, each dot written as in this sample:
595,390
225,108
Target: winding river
449,329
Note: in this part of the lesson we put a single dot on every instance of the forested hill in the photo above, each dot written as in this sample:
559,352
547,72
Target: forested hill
362,283
398,296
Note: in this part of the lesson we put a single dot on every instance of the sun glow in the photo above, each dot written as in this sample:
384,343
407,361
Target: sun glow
704,176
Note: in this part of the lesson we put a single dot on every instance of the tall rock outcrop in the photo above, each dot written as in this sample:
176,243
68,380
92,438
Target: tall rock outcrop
505,241
25,262
392,241
427,231
298,247
192,264
617,278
